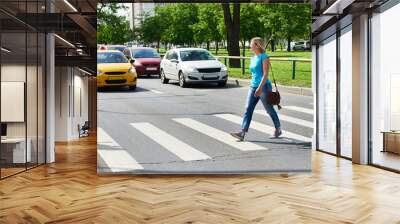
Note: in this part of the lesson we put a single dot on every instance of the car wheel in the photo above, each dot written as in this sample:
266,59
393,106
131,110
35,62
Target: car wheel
182,82
163,79
131,88
222,84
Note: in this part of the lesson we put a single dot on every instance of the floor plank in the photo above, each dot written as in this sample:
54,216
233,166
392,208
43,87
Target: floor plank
70,191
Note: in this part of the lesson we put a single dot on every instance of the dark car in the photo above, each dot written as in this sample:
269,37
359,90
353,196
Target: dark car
147,60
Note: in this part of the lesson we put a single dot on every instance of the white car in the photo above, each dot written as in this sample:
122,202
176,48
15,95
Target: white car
192,65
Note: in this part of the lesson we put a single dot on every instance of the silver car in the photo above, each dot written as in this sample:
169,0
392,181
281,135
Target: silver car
192,65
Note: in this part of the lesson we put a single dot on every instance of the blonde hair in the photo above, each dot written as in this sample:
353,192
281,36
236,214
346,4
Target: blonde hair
259,42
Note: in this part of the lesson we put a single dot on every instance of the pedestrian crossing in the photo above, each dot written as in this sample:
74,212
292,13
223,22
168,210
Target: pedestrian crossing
118,159
218,134
112,156
169,142
262,127
300,109
290,119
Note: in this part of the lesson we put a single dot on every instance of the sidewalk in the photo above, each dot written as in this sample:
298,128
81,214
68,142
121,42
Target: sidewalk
290,89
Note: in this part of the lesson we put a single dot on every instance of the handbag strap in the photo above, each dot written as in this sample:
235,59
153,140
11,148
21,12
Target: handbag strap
273,77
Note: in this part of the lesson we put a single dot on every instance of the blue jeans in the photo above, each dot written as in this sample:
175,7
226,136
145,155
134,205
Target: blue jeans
251,104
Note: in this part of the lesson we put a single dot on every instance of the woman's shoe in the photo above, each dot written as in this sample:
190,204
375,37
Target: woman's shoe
278,132
238,135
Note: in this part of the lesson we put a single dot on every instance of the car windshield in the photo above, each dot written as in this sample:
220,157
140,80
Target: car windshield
111,57
116,48
195,55
145,53
299,43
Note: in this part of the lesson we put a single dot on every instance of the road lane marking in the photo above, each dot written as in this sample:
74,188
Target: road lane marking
169,142
299,109
218,134
156,91
262,127
115,157
289,119
104,139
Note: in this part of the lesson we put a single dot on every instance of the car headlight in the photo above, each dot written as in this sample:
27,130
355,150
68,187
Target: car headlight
137,63
224,68
99,71
132,70
190,69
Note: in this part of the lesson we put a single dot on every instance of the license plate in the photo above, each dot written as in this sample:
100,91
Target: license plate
210,75
115,77
151,68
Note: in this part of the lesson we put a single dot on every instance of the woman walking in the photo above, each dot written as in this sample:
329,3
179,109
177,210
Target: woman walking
260,85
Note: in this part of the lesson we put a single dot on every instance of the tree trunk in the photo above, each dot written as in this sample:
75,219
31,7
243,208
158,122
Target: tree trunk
158,46
288,43
273,45
208,45
232,24
216,47
243,48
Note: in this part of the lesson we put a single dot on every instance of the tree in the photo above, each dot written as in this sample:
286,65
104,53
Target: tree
112,28
150,30
298,24
250,24
180,19
206,29
232,24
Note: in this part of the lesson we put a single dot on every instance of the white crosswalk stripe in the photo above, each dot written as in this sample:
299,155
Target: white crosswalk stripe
156,91
289,119
299,109
262,127
113,155
169,142
218,135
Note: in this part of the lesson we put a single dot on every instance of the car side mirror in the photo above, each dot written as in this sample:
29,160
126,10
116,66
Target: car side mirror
131,61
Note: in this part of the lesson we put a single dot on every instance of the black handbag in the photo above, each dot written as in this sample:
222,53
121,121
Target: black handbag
274,97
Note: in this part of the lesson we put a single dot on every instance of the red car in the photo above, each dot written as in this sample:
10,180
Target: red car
147,60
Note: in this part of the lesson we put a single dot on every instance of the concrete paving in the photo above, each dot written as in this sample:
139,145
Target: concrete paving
162,128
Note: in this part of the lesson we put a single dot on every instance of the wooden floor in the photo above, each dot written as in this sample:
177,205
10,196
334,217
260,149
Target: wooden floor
70,191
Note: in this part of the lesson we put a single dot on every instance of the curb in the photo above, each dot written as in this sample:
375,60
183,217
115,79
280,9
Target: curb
290,89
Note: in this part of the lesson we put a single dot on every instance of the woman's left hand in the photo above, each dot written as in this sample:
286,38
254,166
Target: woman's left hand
258,92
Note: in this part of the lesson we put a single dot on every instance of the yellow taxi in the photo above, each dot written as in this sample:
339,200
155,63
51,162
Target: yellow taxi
114,69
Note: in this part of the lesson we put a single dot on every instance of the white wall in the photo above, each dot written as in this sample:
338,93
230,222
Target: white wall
71,102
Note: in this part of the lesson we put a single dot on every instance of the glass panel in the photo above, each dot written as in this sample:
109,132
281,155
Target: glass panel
32,98
41,98
327,95
346,92
385,86
14,153
32,87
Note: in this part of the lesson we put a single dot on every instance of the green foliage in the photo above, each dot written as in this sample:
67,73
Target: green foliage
207,28
194,24
112,28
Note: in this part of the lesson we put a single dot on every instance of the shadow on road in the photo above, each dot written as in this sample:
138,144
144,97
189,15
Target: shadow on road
303,144
206,85
121,90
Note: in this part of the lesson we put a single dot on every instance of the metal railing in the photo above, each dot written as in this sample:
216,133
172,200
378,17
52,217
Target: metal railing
243,64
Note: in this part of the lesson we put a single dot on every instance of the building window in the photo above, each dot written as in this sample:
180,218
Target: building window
346,74
327,95
22,78
385,89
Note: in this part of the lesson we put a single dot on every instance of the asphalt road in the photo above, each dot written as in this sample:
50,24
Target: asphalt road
162,128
